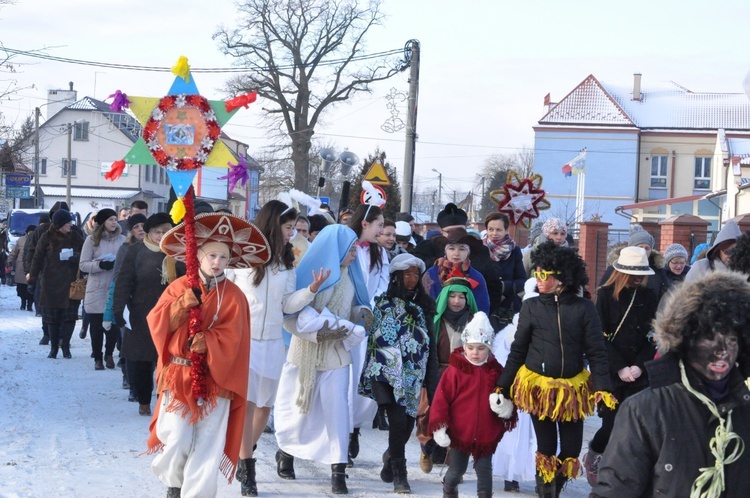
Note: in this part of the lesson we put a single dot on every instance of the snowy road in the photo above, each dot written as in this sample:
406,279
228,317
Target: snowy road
69,431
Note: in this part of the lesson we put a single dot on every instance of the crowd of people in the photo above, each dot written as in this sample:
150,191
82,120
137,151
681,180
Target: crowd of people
494,353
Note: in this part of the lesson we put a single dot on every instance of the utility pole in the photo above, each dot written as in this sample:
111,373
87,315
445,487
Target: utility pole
440,188
481,198
432,212
411,129
36,157
70,167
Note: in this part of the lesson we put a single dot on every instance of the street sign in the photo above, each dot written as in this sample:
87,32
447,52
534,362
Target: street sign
377,175
17,192
365,198
17,180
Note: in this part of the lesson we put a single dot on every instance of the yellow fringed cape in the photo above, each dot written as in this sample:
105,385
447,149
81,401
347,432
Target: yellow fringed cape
563,400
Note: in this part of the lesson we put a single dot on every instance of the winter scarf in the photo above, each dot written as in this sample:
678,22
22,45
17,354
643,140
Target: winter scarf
501,250
168,264
445,267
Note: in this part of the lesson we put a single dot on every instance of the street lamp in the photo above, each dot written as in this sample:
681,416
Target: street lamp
440,187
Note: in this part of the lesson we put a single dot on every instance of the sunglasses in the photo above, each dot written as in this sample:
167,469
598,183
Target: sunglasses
542,275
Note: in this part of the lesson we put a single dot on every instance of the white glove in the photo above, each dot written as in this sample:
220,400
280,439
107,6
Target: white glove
107,325
441,437
501,405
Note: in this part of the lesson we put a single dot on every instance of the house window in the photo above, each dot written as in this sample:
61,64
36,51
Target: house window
659,172
148,173
153,172
161,176
43,166
81,131
702,173
65,167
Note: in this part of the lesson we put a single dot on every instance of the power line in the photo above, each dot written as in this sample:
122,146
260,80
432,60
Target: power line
132,67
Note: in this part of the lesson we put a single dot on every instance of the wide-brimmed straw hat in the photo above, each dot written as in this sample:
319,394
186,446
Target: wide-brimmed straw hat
248,246
633,261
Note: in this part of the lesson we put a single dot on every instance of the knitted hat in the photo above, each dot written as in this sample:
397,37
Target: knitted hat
58,205
452,215
136,219
536,230
478,331
61,217
104,215
155,220
552,225
640,236
674,251
633,261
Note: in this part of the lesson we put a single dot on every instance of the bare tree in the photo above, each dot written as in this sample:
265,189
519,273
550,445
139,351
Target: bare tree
303,56
495,171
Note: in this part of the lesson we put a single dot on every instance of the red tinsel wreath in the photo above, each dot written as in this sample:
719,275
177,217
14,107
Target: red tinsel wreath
206,144
521,199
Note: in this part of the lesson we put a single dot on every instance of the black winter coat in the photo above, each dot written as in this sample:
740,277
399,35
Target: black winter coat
56,275
138,285
505,279
631,345
658,282
662,434
554,332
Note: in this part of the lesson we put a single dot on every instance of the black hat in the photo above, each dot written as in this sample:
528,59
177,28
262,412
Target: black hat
58,205
403,216
202,206
452,215
61,218
457,235
104,215
317,223
30,228
155,220
135,219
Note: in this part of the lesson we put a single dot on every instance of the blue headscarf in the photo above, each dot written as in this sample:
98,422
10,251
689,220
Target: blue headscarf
327,251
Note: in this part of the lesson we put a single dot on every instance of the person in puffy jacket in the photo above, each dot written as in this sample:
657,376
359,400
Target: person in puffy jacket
687,435
545,374
98,260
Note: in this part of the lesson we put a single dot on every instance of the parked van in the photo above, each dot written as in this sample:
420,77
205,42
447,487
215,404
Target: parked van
19,219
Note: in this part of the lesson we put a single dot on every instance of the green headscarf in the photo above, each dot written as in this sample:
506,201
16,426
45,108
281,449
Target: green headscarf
442,301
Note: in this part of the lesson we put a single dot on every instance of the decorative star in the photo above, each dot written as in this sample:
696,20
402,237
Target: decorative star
181,115
521,199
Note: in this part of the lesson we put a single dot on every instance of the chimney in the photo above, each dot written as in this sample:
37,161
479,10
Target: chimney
637,86
70,84
57,100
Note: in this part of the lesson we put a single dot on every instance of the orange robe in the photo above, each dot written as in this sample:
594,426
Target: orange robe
228,358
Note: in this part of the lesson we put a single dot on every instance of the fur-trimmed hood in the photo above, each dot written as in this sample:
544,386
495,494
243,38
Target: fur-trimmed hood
655,259
677,318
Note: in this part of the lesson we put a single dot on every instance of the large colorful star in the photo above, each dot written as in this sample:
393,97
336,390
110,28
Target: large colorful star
521,199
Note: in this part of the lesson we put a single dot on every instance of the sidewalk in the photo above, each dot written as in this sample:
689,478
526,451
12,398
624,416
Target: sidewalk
69,431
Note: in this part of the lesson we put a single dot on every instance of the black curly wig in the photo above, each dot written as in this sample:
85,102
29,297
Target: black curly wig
565,260
740,260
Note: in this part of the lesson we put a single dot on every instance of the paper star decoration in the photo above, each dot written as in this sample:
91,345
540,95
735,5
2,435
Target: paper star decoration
521,199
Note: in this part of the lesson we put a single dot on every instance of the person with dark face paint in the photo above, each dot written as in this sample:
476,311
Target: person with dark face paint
686,435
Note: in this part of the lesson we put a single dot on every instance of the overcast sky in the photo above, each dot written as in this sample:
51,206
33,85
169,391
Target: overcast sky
486,65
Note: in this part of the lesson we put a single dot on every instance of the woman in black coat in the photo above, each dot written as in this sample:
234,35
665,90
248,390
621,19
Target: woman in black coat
145,272
56,258
626,307
545,374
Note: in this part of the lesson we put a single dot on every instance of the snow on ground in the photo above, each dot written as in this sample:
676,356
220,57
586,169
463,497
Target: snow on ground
69,431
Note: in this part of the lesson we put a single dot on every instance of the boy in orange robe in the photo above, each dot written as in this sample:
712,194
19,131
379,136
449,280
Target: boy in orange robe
183,429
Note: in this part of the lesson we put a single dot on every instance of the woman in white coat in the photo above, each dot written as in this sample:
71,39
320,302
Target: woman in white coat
98,260
367,223
271,291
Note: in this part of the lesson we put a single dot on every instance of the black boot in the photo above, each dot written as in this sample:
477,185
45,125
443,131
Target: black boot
246,468
66,332
285,465
354,444
484,494
560,481
400,484
54,340
173,492
387,473
338,479
380,421
545,489
450,491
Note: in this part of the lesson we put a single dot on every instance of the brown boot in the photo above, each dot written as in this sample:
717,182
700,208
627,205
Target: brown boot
109,361
144,410
98,365
450,492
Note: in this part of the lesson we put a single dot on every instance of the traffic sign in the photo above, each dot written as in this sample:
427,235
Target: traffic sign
17,192
17,180
365,198
377,175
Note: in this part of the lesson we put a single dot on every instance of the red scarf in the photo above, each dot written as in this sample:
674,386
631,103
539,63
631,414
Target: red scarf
445,267
501,250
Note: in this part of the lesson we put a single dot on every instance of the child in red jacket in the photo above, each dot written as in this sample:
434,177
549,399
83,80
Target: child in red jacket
461,416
